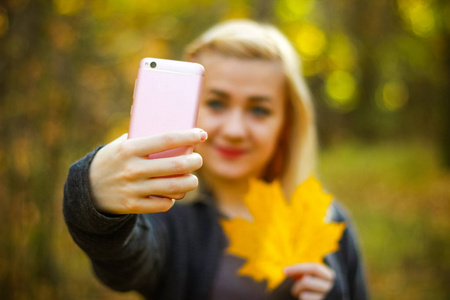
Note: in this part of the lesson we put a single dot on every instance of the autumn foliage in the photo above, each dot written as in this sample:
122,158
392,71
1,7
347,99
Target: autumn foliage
282,233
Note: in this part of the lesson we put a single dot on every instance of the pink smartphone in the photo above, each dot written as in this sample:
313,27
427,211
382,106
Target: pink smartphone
165,98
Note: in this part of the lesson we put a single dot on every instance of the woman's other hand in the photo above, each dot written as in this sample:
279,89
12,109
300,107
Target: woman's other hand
313,281
124,180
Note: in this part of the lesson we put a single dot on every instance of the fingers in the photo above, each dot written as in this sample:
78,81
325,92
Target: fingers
178,165
151,204
123,180
170,187
314,280
311,284
159,194
158,143
155,204
121,138
310,296
318,270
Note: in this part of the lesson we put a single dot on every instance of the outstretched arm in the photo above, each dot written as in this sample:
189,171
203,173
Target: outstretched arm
106,189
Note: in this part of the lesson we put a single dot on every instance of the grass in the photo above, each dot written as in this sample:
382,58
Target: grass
399,199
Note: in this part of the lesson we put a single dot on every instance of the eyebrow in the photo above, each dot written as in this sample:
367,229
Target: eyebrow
252,99
220,93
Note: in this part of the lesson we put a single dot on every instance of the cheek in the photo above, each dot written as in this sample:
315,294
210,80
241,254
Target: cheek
269,137
269,141
202,150
207,121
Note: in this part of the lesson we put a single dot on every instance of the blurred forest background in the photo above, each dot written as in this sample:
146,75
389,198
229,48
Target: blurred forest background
379,71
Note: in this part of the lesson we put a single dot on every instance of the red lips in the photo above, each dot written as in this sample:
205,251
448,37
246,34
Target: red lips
231,153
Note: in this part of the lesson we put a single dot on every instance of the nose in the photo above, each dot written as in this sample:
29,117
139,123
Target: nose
233,126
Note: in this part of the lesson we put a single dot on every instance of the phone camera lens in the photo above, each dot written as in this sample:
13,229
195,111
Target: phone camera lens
153,64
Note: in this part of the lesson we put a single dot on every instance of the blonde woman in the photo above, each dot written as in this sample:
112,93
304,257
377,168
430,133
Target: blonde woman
256,121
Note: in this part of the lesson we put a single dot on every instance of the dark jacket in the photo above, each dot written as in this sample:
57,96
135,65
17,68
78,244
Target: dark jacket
173,255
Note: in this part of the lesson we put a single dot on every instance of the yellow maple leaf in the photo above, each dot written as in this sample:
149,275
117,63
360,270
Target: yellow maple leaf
282,233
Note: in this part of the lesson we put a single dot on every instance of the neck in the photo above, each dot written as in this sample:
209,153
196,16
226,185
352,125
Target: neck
230,195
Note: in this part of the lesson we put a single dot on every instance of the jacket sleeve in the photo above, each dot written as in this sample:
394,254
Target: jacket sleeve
126,251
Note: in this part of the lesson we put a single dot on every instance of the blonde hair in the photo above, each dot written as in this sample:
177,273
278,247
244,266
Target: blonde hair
295,158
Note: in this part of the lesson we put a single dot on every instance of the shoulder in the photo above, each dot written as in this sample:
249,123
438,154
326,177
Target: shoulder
337,212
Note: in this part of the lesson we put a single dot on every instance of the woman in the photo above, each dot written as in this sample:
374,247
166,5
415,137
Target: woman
257,121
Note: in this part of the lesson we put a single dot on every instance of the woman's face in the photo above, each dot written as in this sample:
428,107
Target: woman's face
242,108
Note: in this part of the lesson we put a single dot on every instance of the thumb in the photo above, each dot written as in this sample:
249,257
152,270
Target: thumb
121,138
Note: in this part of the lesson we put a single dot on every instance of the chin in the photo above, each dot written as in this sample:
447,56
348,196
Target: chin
231,175
229,172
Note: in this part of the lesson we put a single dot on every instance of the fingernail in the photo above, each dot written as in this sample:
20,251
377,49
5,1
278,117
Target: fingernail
203,136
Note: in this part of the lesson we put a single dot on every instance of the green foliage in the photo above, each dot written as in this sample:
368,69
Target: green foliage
372,63
399,198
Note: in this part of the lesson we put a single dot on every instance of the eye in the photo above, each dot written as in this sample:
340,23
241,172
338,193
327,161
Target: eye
216,104
260,111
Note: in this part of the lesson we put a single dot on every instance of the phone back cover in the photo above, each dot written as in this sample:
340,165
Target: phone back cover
164,101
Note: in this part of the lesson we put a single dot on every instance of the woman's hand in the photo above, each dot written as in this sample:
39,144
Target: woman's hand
313,281
123,180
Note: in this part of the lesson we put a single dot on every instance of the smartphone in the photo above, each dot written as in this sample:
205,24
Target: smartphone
166,96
